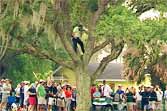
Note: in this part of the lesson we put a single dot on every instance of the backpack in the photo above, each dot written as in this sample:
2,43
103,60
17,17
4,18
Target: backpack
117,97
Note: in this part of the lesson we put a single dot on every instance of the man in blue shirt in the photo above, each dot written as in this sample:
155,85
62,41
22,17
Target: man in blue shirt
120,91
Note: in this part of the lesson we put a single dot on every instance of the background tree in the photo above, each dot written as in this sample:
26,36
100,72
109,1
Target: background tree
148,52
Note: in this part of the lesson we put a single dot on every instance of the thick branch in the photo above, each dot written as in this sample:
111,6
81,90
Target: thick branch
101,46
92,24
63,26
29,49
106,60
46,55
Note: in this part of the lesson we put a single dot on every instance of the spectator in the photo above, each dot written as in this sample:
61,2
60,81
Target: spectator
68,94
17,90
32,98
97,94
26,96
106,90
74,99
145,98
61,100
92,90
138,99
119,95
1,84
41,94
5,93
152,99
159,98
131,99
165,97
52,93
22,95
1,90
120,91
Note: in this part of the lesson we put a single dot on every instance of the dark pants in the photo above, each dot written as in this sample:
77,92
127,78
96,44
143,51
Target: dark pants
143,103
78,41
22,100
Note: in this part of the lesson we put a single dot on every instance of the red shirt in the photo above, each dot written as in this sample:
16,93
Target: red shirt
92,90
68,94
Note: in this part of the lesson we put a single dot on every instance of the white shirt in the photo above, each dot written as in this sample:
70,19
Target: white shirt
138,97
77,32
159,95
62,94
17,90
165,94
26,87
106,90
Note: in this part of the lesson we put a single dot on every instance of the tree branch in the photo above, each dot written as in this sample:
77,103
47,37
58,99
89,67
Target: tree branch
29,49
101,46
106,60
92,24
63,27
43,54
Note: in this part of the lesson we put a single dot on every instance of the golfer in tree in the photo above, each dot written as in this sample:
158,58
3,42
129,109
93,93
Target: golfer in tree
76,35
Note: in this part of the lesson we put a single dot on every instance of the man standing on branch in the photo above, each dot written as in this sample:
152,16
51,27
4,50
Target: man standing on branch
76,37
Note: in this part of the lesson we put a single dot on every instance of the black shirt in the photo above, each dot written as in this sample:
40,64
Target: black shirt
32,90
153,96
145,97
130,97
52,91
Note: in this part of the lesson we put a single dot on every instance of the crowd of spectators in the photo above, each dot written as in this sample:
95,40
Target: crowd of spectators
39,96
51,96
142,98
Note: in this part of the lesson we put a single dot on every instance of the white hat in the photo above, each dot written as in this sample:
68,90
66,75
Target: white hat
148,86
74,87
100,84
119,85
41,80
140,85
151,86
27,82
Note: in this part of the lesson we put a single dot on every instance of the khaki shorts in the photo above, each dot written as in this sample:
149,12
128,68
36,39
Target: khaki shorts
152,105
41,100
51,101
138,105
130,105
5,98
61,102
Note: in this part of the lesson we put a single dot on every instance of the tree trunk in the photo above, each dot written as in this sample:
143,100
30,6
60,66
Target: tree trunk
83,87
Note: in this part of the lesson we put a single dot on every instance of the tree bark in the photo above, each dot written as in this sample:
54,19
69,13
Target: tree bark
83,86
